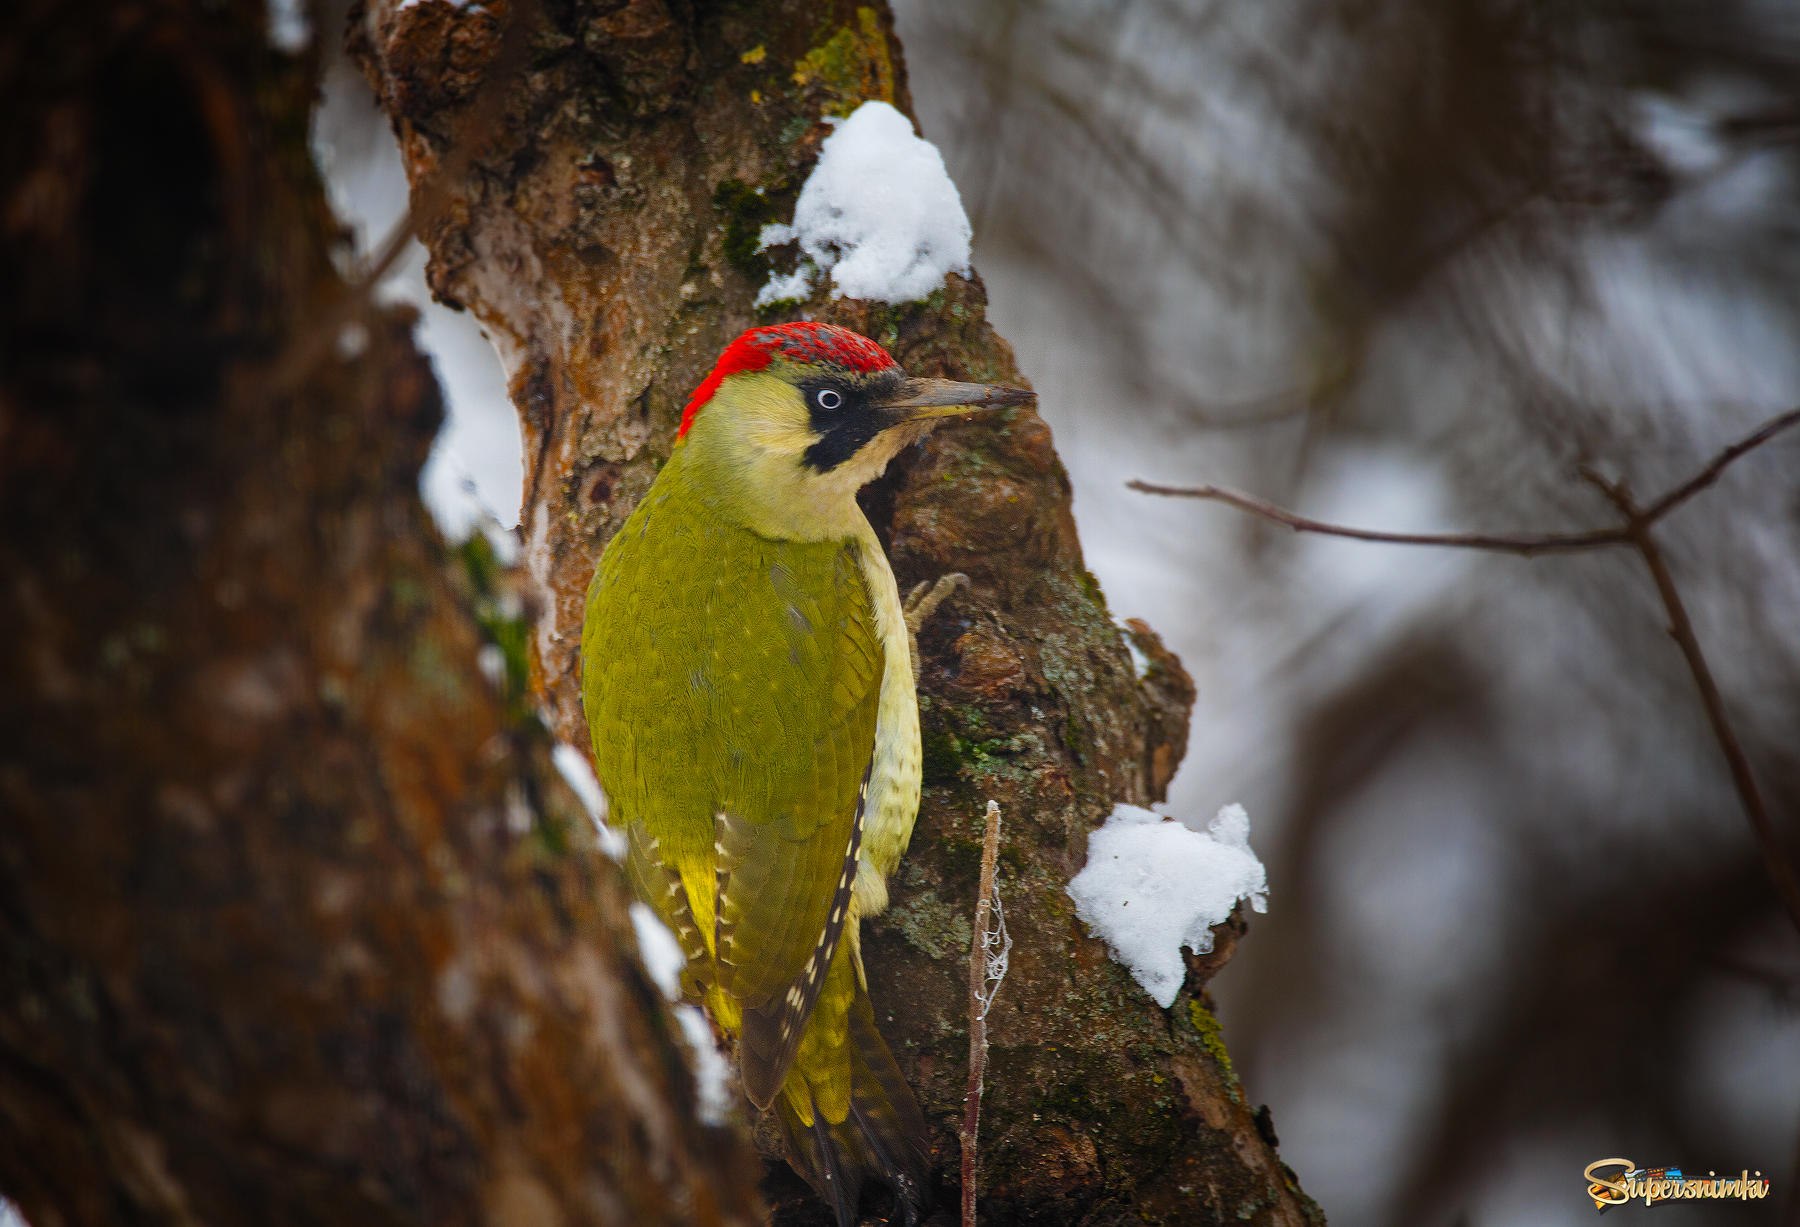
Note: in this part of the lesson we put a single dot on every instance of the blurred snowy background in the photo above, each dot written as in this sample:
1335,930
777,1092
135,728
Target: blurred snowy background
1404,266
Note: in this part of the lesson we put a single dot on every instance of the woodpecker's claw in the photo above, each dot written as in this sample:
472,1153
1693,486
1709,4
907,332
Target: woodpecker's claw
920,605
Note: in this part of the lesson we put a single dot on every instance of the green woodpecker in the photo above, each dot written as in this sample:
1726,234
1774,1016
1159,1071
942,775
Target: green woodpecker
748,681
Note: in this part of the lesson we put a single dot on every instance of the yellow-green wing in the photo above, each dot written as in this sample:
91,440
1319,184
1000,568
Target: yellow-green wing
731,687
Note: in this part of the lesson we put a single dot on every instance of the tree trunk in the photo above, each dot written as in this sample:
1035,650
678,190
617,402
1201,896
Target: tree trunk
297,925
599,214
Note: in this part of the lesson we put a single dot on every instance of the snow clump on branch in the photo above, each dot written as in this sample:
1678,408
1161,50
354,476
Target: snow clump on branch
878,213
577,771
1152,886
660,951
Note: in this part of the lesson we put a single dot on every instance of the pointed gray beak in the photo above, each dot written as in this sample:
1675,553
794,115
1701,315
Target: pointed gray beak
937,398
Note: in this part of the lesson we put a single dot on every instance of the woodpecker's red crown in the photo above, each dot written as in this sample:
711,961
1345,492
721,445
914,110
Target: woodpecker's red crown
807,343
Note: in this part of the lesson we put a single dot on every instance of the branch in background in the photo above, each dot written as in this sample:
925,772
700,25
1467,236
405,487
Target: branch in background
1708,475
1637,523
1527,545
1524,544
988,952
1634,532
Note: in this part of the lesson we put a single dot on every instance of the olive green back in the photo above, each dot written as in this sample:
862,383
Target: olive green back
730,684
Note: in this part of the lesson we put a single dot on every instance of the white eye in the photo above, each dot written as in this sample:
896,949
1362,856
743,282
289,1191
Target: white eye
827,398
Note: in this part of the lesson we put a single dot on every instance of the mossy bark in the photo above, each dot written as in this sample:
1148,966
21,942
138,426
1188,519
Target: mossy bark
603,229
296,923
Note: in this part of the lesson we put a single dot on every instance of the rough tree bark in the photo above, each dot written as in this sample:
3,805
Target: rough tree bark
296,926
603,229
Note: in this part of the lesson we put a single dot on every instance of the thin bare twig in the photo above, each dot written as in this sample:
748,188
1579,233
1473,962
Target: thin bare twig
349,305
1528,545
1708,475
988,951
1781,983
1681,627
1634,532
1524,544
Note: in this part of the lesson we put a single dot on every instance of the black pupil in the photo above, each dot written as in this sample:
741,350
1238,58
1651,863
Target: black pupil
829,399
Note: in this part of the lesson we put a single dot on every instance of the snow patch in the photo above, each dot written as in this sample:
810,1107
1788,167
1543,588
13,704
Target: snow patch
1140,663
578,773
290,30
659,949
1686,138
879,213
474,478
661,953
539,565
492,663
712,1076
1152,886
784,288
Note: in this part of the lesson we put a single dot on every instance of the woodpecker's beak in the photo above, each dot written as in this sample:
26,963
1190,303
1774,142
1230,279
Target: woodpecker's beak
939,398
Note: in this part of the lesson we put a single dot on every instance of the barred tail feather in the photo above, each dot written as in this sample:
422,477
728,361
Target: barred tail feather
772,1033
883,1136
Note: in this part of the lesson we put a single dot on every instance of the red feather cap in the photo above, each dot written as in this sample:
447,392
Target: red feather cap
808,343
